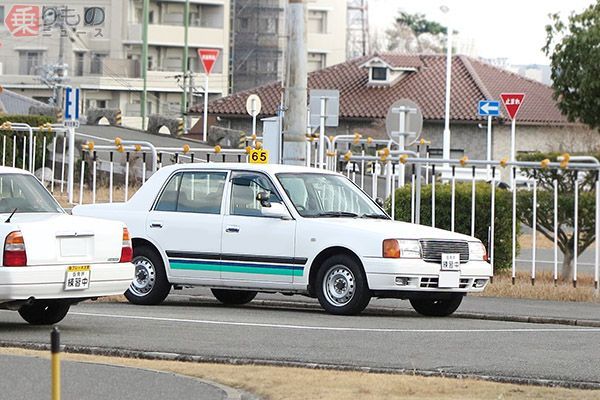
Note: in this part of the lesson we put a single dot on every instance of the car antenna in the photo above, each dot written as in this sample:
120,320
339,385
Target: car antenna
10,216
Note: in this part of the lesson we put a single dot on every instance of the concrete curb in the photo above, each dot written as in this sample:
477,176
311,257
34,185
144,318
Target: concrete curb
389,311
166,356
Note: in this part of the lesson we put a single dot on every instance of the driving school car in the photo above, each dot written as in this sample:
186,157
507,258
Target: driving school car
50,259
245,228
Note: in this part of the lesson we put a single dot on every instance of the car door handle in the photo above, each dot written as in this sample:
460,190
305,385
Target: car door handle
156,225
232,229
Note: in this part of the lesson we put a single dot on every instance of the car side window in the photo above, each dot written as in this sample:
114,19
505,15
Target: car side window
194,192
244,188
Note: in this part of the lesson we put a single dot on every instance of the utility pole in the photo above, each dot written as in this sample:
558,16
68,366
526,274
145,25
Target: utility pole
294,140
185,68
145,12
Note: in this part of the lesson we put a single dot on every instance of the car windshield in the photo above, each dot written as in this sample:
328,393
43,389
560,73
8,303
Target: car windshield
25,194
328,196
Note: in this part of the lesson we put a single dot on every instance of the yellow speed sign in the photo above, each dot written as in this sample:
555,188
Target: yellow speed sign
259,156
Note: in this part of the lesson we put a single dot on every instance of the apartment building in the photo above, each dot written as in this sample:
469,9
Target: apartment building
99,42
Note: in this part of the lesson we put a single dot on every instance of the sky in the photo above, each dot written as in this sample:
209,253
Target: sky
513,29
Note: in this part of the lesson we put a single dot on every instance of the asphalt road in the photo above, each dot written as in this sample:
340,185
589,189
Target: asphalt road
209,330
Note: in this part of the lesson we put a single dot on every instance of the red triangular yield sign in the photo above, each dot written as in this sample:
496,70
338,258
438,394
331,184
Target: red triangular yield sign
512,102
208,58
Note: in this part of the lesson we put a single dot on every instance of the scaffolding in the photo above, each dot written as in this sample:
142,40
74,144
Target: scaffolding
256,43
357,28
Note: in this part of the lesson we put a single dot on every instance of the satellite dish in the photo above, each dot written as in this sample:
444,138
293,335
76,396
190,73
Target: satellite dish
413,125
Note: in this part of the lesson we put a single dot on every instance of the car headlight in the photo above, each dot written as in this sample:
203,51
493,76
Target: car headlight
401,248
477,252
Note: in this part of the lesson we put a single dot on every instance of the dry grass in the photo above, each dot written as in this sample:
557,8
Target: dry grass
277,383
544,288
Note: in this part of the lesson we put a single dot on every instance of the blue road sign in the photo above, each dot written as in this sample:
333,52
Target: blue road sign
488,108
71,103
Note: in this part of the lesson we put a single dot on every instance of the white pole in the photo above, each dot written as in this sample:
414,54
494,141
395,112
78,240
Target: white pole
64,161
322,132
489,140
597,258
94,168
3,151
43,159
514,229
446,136
31,150
493,218
205,122
575,233
452,199
81,182
513,145
53,163
14,151
534,238
433,196
555,183
253,117
401,145
71,164
473,204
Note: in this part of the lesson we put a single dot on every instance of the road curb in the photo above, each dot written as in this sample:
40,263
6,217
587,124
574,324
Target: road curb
167,356
389,311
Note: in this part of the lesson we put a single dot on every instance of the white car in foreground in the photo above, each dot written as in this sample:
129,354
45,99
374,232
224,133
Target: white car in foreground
52,260
241,229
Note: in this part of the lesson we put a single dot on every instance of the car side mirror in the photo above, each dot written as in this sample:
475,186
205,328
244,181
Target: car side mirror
264,199
379,202
275,210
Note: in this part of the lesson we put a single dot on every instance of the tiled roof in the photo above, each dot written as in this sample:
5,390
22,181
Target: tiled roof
15,103
472,80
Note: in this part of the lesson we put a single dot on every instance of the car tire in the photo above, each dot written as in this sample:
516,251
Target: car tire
341,286
437,307
44,312
150,285
233,297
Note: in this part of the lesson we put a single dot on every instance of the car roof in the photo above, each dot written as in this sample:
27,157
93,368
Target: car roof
11,170
268,168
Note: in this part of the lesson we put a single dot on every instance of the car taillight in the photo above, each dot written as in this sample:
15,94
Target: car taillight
14,250
126,249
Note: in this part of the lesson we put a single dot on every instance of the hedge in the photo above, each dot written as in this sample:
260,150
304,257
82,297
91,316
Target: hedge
462,221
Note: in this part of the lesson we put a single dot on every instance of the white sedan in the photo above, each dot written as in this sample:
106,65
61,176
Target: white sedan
241,229
52,260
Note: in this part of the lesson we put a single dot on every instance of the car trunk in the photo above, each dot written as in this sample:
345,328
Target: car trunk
54,239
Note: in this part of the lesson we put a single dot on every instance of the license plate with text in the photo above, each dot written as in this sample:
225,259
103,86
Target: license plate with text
78,277
450,262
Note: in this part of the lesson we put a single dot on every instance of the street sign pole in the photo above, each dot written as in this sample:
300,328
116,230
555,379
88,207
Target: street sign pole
322,133
205,121
489,140
71,161
253,117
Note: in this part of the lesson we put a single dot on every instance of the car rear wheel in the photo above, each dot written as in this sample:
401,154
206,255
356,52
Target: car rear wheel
150,285
44,312
341,286
440,307
233,297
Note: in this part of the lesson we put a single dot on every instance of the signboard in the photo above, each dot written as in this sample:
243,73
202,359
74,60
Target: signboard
488,108
512,102
208,57
71,107
253,105
23,20
413,121
332,107
259,156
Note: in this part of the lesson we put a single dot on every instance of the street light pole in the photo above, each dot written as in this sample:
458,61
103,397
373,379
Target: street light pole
446,134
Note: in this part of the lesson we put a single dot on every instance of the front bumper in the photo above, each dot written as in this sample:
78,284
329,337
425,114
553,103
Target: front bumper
385,274
47,282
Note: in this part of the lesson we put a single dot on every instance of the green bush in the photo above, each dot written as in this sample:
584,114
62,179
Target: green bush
462,221
33,121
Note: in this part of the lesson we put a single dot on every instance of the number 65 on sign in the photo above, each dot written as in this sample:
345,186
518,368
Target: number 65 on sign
259,156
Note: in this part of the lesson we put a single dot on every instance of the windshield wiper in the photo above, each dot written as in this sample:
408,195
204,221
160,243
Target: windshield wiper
375,216
10,216
335,214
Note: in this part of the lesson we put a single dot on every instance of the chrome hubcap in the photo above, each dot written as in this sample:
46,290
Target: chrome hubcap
339,285
145,276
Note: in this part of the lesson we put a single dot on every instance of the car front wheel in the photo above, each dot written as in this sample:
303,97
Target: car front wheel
233,297
341,286
44,312
150,285
437,307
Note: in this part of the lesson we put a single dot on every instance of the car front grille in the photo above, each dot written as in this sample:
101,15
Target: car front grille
432,249
433,283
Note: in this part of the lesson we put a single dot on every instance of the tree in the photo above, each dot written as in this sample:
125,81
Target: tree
566,180
574,51
412,33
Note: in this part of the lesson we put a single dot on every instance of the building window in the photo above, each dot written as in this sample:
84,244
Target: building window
316,61
244,24
79,62
97,62
267,25
379,74
317,21
29,61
